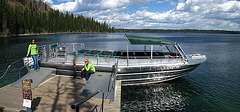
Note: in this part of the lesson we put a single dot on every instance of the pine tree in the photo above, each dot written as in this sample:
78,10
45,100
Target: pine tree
37,17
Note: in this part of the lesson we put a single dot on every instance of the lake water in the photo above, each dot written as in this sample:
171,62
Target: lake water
213,86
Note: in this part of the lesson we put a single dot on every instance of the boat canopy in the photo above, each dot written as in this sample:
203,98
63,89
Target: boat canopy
145,40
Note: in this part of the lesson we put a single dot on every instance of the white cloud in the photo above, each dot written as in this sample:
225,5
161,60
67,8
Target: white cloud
97,5
142,8
170,1
64,0
223,14
49,2
188,14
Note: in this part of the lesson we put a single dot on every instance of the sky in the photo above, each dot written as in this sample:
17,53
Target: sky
157,14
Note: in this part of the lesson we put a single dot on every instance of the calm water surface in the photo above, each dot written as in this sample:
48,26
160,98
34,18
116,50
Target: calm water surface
213,86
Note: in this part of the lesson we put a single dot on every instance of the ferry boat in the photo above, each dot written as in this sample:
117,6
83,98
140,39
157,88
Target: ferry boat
164,61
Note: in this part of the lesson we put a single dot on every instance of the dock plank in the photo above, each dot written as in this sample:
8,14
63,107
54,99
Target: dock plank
37,77
57,95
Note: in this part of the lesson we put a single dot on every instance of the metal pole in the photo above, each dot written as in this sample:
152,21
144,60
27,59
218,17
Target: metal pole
127,56
144,48
151,51
102,100
74,67
73,47
84,100
98,60
77,109
19,75
181,52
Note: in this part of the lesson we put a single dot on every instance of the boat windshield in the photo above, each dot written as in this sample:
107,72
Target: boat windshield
171,49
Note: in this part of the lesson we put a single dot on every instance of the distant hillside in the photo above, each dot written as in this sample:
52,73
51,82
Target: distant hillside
31,16
175,31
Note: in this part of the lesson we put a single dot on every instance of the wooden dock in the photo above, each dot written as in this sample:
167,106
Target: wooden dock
57,94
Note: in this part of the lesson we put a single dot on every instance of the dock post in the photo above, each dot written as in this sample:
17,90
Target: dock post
2,109
29,110
77,109
102,100
74,67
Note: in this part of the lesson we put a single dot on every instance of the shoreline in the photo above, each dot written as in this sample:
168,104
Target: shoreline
36,34
130,31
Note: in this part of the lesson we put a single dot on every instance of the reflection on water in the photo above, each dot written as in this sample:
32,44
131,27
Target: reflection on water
169,96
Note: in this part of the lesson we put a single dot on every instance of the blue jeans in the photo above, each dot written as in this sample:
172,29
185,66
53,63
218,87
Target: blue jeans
35,61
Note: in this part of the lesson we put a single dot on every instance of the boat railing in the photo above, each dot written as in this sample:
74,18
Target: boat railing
58,50
96,60
149,57
137,62
67,52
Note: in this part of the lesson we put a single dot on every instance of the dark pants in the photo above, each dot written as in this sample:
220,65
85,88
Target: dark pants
86,74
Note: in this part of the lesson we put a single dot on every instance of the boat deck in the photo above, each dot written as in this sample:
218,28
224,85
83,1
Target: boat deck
58,93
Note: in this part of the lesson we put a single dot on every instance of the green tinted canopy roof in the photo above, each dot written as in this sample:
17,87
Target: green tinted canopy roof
145,40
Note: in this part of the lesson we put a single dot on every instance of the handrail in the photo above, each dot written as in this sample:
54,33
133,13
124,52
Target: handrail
110,88
9,67
76,105
154,57
114,72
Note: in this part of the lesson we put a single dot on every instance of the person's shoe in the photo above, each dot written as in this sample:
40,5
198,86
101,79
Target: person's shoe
37,70
84,80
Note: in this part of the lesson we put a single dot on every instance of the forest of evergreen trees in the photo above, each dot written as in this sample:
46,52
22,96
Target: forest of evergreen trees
176,31
32,16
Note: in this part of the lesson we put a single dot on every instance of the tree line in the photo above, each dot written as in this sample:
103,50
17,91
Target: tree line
32,16
176,31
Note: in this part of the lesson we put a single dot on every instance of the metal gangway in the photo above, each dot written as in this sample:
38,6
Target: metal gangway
104,92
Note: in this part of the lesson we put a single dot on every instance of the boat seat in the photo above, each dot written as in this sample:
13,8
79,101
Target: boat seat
72,53
80,51
101,53
54,46
113,53
84,54
97,55
90,52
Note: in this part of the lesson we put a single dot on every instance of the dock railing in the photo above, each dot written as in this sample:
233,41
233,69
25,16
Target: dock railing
77,104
